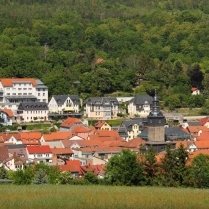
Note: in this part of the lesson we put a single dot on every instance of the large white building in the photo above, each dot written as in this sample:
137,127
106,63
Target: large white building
62,103
14,91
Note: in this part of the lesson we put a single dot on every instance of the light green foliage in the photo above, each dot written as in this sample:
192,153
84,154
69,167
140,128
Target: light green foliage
64,178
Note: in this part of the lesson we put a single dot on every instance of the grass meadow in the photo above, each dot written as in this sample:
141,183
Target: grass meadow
90,197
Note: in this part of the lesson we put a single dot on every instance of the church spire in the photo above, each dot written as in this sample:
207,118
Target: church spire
155,108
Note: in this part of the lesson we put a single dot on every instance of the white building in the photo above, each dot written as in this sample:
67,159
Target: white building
140,105
32,111
13,91
62,103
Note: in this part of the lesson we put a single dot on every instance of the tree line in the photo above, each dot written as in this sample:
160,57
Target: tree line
165,43
128,168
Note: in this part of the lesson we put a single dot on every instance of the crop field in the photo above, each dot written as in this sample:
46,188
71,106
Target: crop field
85,197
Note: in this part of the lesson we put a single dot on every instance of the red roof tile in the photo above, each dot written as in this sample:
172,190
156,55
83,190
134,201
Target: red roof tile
99,124
59,151
54,136
106,133
38,149
80,129
203,121
69,122
202,144
203,136
8,112
4,154
10,81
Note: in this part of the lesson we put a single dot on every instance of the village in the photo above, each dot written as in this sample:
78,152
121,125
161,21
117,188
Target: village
79,147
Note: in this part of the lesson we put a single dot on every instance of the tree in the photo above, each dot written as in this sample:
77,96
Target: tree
40,177
64,178
90,178
3,173
123,169
199,172
173,167
150,166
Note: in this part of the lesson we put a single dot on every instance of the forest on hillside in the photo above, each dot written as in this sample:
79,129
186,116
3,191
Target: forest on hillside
163,42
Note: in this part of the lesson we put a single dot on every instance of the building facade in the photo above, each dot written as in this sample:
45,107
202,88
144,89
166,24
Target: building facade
64,103
140,105
14,91
101,107
32,111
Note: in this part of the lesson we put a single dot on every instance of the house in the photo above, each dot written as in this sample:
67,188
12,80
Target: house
101,108
6,117
102,125
195,91
190,146
55,136
81,131
39,154
124,99
64,103
70,123
130,129
196,131
140,105
204,122
202,145
12,138
18,150
61,153
31,138
14,91
32,111
73,166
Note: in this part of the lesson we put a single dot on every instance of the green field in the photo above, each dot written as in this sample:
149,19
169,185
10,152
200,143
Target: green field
85,197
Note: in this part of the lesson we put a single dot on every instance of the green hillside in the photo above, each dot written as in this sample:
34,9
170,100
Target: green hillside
164,42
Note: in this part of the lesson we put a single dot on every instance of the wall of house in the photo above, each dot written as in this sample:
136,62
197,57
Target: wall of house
41,156
28,116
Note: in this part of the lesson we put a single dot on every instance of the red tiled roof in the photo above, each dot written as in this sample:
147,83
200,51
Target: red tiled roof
31,138
203,121
9,81
80,129
57,136
99,124
71,168
135,143
99,60
59,151
92,128
8,136
194,89
39,149
73,162
196,129
202,144
4,154
106,133
69,122
8,112
197,152
203,136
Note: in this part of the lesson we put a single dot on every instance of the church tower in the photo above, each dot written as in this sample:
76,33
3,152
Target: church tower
156,129
156,122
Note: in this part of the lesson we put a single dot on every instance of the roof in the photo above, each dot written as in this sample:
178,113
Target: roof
60,99
72,165
8,112
99,124
32,138
59,151
203,136
80,129
194,89
54,136
203,121
7,136
135,143
69,122
202,144
196,129
9,81
141,99
33,106
38,149
102,101
197,152
4,154
107,133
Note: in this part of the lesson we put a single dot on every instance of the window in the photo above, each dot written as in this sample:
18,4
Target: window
43,94
8,93
19,88
29,88
24,93
19,93
47,155
13,93
24,88
38,94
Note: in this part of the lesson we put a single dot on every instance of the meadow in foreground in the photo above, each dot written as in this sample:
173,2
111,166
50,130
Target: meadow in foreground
89,197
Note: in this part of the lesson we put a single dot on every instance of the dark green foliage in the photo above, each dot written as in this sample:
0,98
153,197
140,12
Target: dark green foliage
90,178
198,175
3,173
124,169
40,177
